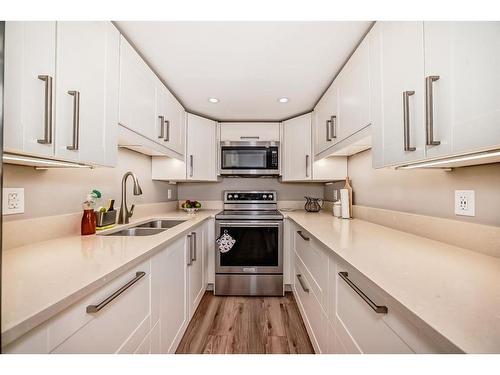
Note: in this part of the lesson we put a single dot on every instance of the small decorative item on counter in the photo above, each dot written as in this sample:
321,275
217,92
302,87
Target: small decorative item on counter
89,217
346,199
337,208
313,204
191,206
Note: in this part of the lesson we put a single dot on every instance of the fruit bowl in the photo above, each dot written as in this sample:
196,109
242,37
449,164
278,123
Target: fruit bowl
191,206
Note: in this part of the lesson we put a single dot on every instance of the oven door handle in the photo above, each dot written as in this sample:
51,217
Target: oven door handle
250,223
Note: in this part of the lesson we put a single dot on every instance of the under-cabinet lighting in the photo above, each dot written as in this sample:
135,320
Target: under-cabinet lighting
213,100
455,159
40,163
283,100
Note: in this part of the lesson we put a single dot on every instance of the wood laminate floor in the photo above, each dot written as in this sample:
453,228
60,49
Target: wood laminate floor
246,325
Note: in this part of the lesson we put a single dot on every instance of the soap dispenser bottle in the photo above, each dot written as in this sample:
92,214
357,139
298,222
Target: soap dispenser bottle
88,218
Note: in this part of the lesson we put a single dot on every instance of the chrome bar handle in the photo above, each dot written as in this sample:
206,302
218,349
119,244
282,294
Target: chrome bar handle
307,165
96,308
378,309
194,251
429,111
162,126
191,165
76,120
250,137
406,120
167,131
299,232
333,124
302,283
47,116
328,130
190,250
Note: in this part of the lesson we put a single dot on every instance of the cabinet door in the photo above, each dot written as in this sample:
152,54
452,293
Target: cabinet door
466,105
402,71
176,125
325,113
201,146
245,131
354,94
86,89
196,282
30,56
297,149
137,93
174,313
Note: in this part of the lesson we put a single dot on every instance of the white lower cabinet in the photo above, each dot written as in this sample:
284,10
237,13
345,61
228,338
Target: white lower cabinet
339,319
196,282
149,315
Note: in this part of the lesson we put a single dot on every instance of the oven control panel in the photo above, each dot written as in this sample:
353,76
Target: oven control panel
250,196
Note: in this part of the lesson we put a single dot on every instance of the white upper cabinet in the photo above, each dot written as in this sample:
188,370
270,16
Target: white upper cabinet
30,67
137,93
326,120
466,106
171,120
297,149
61,90
344,109
298,159
249,131
201,149
354,94
86,89
438,85
403,90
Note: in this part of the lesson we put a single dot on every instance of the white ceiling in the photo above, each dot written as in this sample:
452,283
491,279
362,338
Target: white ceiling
246,65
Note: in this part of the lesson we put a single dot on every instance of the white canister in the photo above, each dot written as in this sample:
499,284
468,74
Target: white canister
337,209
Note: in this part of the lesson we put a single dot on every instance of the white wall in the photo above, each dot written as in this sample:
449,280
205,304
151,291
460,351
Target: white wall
425,192
61,191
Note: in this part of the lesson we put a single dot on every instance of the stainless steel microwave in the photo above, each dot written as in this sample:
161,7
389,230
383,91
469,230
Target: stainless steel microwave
249,158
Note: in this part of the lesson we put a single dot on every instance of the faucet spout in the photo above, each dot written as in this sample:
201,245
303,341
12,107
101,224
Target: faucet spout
125,214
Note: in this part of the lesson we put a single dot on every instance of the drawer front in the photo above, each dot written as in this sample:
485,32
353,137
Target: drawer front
106,331
315,261
314,317
361,328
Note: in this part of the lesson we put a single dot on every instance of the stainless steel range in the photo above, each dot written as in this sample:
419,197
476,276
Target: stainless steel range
254,263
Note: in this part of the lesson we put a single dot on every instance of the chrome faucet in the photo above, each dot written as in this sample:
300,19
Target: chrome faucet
125,214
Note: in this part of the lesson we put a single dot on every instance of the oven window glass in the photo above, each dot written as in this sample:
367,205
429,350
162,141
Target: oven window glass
254,247
244,158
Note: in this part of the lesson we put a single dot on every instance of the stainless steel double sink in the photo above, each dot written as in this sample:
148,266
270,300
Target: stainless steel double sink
148,228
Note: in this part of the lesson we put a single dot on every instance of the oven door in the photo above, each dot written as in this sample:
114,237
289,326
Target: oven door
258,247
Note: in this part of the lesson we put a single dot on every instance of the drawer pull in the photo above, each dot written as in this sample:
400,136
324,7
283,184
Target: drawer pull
96,308
299,232
378,309
302,283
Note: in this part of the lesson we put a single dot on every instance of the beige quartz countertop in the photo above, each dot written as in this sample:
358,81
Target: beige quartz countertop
453,290
42,279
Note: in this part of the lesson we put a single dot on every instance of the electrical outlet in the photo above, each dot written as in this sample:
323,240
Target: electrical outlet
465,203
169,194
335,195
13,201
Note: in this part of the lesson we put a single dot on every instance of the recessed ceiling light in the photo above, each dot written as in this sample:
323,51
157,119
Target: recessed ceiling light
283,100
213,100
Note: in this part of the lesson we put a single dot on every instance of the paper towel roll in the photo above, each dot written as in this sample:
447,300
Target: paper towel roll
344,198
